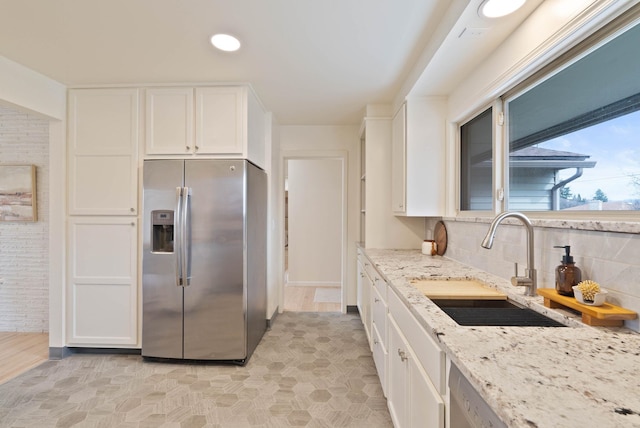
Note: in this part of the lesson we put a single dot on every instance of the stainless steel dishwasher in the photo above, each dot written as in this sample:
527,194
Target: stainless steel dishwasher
468,408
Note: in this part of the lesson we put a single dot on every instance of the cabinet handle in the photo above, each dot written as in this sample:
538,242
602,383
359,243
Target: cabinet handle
187,148
133,210
376,300
403,355
361,275
375,341
133,223
197,148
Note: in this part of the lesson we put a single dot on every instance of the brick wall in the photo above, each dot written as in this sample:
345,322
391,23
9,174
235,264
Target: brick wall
24,247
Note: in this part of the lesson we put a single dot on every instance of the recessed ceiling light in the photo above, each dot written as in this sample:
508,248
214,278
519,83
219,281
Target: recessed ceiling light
498,8
225,42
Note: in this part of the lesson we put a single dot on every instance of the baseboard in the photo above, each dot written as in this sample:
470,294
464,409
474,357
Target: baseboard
56,353
65,351
312,284
272,318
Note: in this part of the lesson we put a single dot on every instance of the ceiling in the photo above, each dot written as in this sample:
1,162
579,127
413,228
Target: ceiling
312,62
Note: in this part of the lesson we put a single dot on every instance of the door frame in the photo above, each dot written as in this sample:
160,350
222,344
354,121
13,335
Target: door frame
343,157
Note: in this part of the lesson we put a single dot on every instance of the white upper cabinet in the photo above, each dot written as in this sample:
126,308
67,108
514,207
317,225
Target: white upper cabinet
217,122
398,161
169,120
418,158
220,120
103,151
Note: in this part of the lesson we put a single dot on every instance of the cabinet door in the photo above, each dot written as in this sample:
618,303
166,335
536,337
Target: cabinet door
397,376
366,305
102,296
380,357
103,151
426,407
220,120
364,295
398,161
360,285
169,121
379,314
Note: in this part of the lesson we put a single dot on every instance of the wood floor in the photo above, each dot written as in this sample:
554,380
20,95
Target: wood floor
20,352
311,299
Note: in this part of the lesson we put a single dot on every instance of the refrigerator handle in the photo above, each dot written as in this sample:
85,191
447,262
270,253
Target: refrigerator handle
178,238
186,235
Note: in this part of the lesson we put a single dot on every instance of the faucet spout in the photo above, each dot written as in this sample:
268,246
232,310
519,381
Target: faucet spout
531,280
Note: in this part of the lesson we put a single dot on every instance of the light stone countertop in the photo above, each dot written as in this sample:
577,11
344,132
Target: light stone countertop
531,376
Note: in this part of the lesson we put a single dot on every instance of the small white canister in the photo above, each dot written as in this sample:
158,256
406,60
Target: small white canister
429,247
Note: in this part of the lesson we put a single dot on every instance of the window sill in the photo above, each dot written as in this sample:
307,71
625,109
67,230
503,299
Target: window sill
616,226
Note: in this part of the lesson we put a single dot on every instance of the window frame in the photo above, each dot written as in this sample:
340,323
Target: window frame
497,155
500,184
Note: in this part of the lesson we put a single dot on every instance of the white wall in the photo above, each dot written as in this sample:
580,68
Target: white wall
24,246
331,140
549,30
27,89
315,221
275,243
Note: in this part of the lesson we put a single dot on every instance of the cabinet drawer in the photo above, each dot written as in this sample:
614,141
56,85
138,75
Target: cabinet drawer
369,268
380,358
376,279
381,285
427,351
379,309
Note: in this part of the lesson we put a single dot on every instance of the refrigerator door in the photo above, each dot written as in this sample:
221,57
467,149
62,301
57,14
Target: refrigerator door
214,302
161,295
256,262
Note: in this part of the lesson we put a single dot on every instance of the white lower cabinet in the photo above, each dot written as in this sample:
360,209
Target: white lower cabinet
410,364
397,376
416,372
372,304
102,296
379,333
425,405
364,294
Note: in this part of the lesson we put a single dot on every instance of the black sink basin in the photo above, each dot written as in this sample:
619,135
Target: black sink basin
493,313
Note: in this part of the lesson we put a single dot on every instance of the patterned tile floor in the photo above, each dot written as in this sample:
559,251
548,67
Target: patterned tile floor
310,370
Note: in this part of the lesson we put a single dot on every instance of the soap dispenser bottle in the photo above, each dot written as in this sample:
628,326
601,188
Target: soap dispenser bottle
567,273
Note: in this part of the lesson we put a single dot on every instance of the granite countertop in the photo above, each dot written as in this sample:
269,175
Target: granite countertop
531,376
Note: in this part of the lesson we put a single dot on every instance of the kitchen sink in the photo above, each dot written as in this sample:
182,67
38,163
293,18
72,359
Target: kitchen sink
505,313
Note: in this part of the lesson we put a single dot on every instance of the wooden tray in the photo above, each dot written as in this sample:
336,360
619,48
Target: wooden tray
606,315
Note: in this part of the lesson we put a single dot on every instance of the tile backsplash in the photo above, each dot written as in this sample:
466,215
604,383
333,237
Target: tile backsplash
610,258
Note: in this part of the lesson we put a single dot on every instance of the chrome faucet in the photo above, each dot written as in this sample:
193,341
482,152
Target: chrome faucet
530,280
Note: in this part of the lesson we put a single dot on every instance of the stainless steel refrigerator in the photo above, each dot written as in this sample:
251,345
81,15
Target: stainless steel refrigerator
204,259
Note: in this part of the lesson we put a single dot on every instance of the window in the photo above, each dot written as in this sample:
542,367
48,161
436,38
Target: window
574,134
476,162
571,133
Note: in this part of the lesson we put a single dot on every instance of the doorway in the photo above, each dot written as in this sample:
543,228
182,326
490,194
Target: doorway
315,234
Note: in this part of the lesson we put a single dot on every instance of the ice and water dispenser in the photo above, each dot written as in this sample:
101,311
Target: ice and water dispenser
162,231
